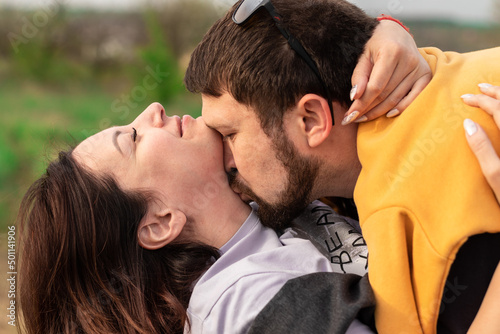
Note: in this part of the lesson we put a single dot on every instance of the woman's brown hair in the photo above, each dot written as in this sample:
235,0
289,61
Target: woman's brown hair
82,269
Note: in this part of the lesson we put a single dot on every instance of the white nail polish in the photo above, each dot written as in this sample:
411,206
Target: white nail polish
485,85
470,127
467,96
361,119
393,113
349,118
354,89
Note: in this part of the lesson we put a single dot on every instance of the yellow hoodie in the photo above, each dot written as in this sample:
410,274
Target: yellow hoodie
421,192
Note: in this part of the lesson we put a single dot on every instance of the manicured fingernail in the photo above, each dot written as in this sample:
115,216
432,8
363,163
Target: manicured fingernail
467,96
393,113
354,89
361,119
485,85
349,118
470,127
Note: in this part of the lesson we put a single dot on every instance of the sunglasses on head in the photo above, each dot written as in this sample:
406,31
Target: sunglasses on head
248,7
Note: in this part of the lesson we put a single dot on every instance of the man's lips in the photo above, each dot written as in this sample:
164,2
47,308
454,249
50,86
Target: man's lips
244,197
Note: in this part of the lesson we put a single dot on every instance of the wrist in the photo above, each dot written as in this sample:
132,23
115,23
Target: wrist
390,18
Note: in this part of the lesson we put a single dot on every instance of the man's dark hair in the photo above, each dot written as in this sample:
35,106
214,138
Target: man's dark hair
254,63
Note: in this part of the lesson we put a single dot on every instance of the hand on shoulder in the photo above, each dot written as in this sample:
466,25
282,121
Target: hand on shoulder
480,144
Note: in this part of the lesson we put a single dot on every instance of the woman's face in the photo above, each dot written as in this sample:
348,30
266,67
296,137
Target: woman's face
179,160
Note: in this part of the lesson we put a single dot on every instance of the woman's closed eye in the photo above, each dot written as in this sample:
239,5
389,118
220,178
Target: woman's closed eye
134,134
228,137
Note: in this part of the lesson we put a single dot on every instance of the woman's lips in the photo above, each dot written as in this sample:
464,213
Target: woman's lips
184,123
178,122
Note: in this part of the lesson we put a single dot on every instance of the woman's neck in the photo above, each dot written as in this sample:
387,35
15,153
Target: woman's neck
221,220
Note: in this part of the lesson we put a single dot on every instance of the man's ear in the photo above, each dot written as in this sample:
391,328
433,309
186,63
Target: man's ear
316,119
161,228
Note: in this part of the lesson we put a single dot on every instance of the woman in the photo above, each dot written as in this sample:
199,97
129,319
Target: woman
118,231
83,266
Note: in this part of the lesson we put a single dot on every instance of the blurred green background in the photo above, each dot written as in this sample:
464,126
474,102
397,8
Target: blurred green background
66,74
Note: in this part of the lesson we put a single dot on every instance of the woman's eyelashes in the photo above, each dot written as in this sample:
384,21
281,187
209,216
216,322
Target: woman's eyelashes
134,134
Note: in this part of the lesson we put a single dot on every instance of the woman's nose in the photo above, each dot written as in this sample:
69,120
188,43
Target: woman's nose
158,115
229,163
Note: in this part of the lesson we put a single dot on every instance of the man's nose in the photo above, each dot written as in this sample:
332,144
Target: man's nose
229,164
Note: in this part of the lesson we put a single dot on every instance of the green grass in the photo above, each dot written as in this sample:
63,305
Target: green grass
38,121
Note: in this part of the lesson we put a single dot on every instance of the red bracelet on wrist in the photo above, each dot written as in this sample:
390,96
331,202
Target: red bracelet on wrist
390,18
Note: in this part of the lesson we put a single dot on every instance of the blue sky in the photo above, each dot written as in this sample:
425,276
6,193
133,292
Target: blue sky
459,10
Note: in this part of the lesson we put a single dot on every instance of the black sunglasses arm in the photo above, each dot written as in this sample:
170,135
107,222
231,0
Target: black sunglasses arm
297,47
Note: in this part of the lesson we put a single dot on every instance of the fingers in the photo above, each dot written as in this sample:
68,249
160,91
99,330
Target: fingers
375,89
485,153
379,76
480,144
417,88
398,74
360,76
489,101
490,90
404,91
397,102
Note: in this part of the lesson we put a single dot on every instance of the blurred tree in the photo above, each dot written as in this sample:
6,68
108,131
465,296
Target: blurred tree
35,45
173,29
496,10
70,73
186,21
159,78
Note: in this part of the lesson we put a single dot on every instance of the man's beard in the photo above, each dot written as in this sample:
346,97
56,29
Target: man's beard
301,176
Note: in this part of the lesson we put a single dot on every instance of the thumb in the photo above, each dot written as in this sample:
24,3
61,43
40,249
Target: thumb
486,155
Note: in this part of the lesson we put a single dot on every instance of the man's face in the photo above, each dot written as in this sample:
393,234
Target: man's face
270,171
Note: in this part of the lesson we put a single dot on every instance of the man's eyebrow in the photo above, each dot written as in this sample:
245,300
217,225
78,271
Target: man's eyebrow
218,126
115,140
212,127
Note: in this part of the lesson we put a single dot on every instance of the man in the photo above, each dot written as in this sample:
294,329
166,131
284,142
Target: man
431,222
